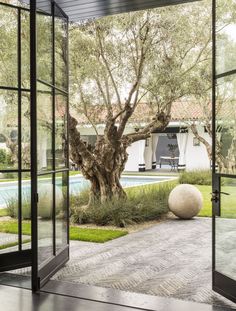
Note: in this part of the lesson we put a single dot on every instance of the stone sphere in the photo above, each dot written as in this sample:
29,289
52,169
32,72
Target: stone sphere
45,203
185,201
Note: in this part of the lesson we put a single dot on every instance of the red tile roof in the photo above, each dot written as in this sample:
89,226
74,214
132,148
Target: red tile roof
180,111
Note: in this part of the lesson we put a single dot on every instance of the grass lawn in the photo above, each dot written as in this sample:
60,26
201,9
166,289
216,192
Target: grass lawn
94,235
76,233
72,173
228,202
3,212
7,245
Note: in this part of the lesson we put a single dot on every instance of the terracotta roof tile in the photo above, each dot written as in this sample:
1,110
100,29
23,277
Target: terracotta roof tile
180,111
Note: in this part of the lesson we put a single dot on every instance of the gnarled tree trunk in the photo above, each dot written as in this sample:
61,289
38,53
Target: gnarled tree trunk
103,163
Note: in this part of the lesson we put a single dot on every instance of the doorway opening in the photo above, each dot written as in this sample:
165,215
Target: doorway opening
37,92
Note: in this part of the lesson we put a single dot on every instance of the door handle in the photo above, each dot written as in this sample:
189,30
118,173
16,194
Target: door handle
215,195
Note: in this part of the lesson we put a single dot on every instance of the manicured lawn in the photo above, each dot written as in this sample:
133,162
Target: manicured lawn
3,212
7,245
76,233
94,235
228,202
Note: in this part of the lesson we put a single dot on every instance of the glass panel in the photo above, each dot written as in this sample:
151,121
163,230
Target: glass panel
61,209
25,130
60,50
25,49
45,126
8,47
44,48
225,36
226,230
45,213
226,124
8,129
26,210
60,130
9,205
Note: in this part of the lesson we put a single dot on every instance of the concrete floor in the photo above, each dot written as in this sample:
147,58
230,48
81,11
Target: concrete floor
171,259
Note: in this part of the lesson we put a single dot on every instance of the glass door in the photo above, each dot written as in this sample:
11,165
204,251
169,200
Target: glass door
224,148
50,163
15,166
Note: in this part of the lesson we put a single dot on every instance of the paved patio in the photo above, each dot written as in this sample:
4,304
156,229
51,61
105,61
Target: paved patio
171,259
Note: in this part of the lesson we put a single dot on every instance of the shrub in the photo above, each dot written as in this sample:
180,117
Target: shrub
197,177
12,206
5,158
143,203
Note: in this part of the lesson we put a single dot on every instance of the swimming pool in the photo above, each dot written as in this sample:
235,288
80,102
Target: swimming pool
9,190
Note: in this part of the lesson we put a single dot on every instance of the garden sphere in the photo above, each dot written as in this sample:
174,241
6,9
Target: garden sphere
185,201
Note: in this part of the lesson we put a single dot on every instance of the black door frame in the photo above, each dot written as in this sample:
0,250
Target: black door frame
22,258
221,283
40,275
19,258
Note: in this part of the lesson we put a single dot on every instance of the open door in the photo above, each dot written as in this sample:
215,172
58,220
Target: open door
15,247
49,132
224,148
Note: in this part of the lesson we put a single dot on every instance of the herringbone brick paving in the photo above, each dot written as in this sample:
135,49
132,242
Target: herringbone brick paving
170,259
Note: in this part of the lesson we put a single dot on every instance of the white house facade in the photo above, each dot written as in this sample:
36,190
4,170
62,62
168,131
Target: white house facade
190,154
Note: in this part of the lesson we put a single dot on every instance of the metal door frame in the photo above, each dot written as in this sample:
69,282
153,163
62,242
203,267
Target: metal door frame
42,275
221,283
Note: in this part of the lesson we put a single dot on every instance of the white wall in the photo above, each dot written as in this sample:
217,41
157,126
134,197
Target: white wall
136,153
133,159
196,156
148,154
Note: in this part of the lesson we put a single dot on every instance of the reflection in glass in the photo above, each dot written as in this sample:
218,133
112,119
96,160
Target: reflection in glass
26,210
60,50
44,48
225,36
45,125
25,130
8,129
226,124
60,130
226,230
8,47
25,49
45,214
10,203
61,210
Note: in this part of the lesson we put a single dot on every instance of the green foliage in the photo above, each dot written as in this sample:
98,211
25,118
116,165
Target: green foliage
94,235
12,227
113,46
9,177
197,177
4,157
3,212
12,206
228,202
143,203
76,233
11,244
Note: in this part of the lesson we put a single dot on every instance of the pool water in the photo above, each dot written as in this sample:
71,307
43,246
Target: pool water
9,190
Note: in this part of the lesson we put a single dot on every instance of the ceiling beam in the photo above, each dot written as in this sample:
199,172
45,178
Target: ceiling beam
83,9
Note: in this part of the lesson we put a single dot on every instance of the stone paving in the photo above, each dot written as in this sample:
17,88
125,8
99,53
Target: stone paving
171,259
